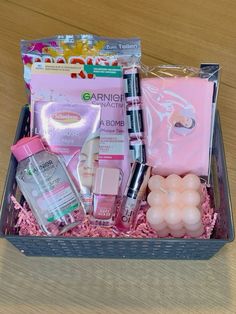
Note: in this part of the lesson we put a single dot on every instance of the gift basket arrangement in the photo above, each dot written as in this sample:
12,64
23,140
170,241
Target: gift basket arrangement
113,158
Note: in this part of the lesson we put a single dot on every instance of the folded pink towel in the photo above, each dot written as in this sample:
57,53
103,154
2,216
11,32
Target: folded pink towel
177,118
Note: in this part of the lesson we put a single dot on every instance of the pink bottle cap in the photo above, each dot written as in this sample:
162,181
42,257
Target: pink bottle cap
107,181
27,146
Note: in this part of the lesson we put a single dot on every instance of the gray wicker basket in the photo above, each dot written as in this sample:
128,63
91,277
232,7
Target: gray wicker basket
124,248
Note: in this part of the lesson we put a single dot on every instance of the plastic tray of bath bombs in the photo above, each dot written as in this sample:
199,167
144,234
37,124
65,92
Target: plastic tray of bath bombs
128,247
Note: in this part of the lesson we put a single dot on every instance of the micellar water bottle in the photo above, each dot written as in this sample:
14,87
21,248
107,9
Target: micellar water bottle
46,186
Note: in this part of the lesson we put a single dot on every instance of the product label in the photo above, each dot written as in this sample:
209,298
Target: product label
48,166
58,202
112,147
104,206
47,187
62,69
108,71
127,214
183,121
55,68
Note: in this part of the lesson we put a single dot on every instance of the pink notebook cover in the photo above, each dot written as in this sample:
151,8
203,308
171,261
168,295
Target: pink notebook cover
177,119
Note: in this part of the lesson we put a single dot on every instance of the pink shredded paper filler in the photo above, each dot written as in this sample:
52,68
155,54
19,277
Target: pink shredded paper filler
27,225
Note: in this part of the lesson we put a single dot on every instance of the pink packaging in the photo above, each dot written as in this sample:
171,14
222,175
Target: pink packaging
71,131
64,127
177,119
60,82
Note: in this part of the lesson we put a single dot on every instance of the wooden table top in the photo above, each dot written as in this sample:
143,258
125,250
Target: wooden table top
177,32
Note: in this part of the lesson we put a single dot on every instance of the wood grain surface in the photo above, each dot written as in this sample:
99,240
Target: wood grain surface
177,31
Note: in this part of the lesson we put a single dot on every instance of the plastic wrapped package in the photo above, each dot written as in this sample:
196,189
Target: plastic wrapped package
179,108
79,49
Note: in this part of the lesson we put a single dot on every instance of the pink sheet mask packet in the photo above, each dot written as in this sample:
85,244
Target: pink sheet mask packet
65,127
72,131
177,118
61,83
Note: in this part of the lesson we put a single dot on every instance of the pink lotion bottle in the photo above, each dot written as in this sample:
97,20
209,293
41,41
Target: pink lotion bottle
106,187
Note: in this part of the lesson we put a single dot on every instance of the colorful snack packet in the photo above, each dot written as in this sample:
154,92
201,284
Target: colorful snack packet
79,49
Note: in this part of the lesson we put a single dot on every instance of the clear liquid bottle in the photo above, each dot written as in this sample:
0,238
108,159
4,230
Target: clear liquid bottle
46,186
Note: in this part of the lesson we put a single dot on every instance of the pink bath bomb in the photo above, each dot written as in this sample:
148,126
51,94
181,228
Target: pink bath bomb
156,198
190,197
155,216
173,197
156,183
191,182
173,214
191,215
173,181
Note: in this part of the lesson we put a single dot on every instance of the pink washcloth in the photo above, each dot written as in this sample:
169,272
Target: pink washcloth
177,118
